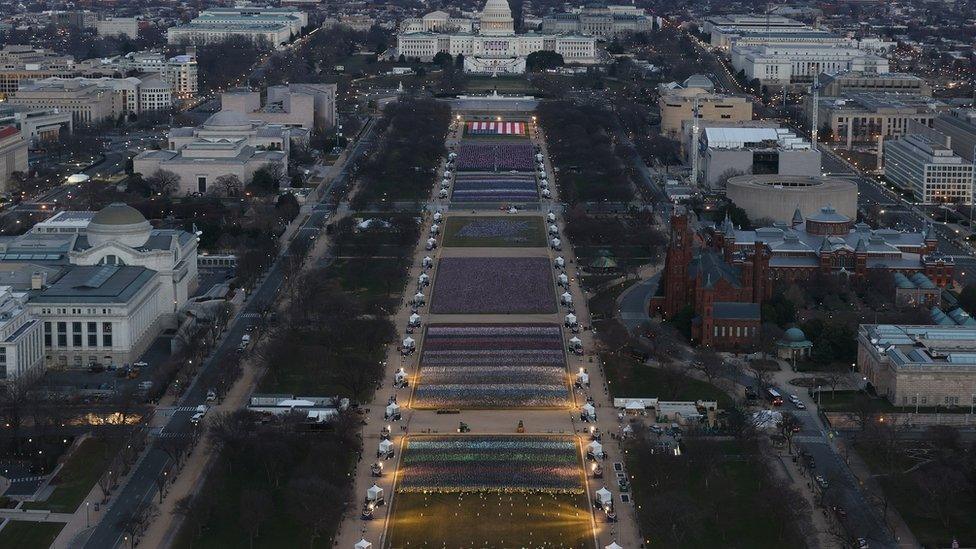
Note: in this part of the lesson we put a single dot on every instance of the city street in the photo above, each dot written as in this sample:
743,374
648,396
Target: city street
142,485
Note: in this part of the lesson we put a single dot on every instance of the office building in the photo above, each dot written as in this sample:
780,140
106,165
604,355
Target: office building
437,21
228,143
782,65
179,71
836,84
677,105
721,27
928,169
36,124
91,100
864,117
75,19
959,127
356,22
274,26
919,366
13,154
309,106
607,22
495,48
729,151
21,338
114,26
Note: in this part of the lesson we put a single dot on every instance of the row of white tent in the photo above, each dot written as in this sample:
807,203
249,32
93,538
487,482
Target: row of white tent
363,544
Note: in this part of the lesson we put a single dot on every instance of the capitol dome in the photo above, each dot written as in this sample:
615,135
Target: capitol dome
496,19
120,223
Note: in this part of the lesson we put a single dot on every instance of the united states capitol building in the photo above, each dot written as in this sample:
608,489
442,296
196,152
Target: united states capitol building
489,44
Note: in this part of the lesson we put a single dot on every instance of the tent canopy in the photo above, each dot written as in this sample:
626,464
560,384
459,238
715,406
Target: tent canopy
385,445
392,407
576,341
408,342
596,448
363,544
613,545
588,408
604,495
374,492
635,405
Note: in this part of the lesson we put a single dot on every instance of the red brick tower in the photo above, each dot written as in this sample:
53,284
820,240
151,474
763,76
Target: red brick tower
676,265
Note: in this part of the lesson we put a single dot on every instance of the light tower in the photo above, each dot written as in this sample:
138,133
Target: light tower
694,142
814,110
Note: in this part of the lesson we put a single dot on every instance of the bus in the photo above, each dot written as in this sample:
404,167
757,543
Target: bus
774,398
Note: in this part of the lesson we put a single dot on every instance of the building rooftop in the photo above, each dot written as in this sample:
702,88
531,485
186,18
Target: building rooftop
96,284
924,347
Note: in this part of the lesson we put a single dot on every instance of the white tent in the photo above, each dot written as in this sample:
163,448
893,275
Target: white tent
604,496
570,319
563,279
560,262
363,544
374,493
423,279
543,184
576,342
567,298
447,173
546,193
419,298
443,193
589,410
437,216
551,217
392,409
415,319
446,183
613,545
435,228
401,375
555,242
553,229
634,405
595,448
408,343
431,243
513,210
452,155
583,378
385,447
538,157
428,261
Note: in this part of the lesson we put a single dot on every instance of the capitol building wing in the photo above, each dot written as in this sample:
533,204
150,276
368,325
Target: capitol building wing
493,47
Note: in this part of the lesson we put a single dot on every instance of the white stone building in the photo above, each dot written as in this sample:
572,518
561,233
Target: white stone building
786,64
228,143
295,105
495,48
101,285
13,154
21,338
275,25
114,26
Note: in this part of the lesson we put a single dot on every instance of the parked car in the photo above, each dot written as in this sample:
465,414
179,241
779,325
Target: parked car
800,405
197,417
211,395
821,482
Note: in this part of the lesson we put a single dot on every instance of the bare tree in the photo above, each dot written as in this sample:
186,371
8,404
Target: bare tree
227,185
256,507
710,364
164,183
788,427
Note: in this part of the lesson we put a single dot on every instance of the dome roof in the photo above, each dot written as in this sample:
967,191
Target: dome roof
227,119
118,213
794,335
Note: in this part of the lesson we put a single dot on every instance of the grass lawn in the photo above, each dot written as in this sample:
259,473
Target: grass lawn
368,277
78,475
904,495
743,524
843,401
490,520
29,535
504,84
494,231
299,380
628,377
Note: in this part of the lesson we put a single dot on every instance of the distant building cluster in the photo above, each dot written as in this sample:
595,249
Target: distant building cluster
274,26
92,100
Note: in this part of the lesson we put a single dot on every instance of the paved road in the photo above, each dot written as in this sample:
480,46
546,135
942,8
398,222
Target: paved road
141,487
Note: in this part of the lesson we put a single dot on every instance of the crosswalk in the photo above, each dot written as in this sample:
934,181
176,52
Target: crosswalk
28,479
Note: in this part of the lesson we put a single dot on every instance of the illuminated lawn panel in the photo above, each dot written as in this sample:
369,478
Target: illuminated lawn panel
494,231
492,366
490,491
493,285
490,520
